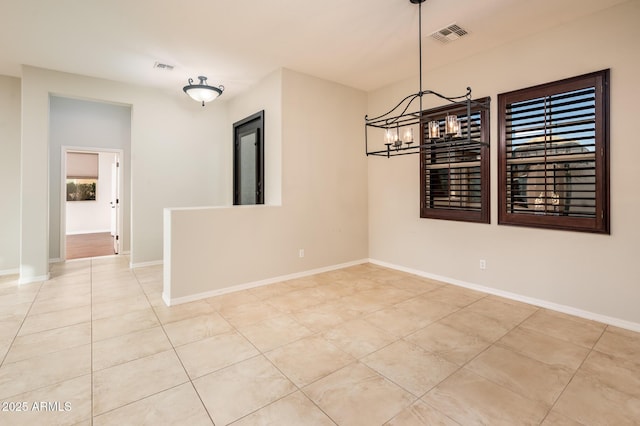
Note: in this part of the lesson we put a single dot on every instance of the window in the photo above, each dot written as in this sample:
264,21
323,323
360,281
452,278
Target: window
553,155
248,160
454,173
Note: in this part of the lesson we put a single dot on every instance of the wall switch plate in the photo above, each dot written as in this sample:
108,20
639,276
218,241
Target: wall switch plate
301,253
483,264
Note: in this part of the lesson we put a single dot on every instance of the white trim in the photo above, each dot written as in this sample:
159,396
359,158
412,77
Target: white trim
9,271
218,292
56,260
628,325
30,280
143,264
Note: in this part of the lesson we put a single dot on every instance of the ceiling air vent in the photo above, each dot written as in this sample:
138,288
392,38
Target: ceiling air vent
449,33
162,66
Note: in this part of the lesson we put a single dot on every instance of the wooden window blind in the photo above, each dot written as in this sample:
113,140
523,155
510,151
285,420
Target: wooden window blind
553,155
454,173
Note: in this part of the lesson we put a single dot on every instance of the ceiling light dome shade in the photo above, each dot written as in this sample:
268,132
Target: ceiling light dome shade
202,92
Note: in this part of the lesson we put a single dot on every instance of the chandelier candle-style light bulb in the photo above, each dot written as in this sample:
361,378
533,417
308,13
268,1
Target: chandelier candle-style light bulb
408,135
434,129
452,125
388,136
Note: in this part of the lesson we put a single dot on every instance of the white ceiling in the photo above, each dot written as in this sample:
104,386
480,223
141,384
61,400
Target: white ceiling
365,44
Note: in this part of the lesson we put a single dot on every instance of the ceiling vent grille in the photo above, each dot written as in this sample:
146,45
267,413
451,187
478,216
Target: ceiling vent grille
449,33
162,66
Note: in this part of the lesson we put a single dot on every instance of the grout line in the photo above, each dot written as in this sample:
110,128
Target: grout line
174,351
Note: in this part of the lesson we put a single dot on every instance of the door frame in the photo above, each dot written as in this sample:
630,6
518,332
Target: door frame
63,191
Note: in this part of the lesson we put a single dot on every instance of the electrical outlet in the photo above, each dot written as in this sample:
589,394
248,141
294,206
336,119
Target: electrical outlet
483,264
301,253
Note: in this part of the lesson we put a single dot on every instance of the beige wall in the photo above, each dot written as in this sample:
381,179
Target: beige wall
591,273
316,128
175,151
9,174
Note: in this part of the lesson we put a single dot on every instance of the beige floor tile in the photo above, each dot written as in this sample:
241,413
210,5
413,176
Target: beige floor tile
53,291
421,414
248,313
357,395
274,332
197,328
64,403
556,419
308,359
298,299
410,366
147,274
213,353
293,410
426,309
619,373
178,405
59,303
119,307
624,332
168,314
44,370
470,322
386,295
271,290
126,383
323,317
16,297
470,399
358,305
113,293
508,313
14,312
51,320
106,328
240,389
415,285
233,299
591,402
449,343
530,378
44,342
397,321
620,345
9,330
359,338
128,347
544,348
566,327
453,295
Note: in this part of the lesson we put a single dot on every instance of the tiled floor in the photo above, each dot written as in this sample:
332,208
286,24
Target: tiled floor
359,346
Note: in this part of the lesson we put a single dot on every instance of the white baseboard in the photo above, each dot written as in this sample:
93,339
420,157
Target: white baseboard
95,231
9,272
56,260
617,322
218,292
29,280
143,264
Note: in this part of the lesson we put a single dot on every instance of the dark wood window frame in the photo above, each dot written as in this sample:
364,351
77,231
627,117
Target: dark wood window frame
430,208
252,125
585,147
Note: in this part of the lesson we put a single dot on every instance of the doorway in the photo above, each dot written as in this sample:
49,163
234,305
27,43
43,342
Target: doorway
91,204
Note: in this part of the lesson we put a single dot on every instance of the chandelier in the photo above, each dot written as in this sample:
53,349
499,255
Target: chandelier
202,92
397,124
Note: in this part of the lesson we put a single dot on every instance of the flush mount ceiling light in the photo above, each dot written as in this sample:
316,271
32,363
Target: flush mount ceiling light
397,125
202,92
